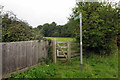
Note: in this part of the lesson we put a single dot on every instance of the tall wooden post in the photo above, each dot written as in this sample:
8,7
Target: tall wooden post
69,51
54,51
1,61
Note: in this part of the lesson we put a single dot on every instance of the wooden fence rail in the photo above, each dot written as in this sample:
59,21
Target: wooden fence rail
65,49
19,55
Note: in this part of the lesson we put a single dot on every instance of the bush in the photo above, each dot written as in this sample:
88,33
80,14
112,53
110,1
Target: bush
100,26
17,30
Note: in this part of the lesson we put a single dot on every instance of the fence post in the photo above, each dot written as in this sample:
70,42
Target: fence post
1,61
54,50
69,51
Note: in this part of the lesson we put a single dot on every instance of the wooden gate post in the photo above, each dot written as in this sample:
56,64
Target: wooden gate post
69,51
1,61
54,50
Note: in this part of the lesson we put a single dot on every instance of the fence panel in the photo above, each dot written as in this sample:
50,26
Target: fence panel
19,55
0,61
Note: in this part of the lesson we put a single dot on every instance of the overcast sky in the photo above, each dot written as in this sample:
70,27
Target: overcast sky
38,12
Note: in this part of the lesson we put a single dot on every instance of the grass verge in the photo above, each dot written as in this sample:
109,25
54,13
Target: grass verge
94,67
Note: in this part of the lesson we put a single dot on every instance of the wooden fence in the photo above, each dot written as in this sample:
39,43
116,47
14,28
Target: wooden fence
19,55
65,50
0,61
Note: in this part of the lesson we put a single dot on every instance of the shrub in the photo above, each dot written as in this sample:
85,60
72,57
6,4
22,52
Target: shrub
17,30
100,26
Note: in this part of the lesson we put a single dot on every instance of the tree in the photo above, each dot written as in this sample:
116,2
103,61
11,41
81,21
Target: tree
14,29
100,26
54,30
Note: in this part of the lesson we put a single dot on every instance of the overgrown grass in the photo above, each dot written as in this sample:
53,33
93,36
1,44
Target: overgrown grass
94,66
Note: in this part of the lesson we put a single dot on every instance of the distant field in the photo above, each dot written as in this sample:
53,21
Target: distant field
61,38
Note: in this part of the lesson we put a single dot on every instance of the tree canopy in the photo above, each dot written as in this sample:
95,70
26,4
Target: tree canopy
54,30
101,25
14,29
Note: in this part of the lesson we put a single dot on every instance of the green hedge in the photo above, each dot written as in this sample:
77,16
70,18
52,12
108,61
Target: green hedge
100,26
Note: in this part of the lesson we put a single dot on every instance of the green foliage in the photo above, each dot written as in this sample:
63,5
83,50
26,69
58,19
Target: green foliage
94,66
100,26
17,30
41,71
54,30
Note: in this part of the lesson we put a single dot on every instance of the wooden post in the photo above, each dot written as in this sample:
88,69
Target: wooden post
57,53
69,51
54,50
0,61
